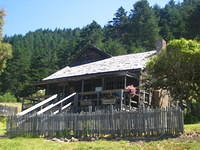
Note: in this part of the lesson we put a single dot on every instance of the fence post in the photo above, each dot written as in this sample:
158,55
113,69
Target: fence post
122,123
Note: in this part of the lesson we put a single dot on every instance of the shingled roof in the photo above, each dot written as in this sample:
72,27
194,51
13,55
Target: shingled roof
116,63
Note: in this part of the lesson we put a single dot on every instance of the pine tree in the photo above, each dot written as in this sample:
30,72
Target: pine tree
194,23
91,34
172,21
143,28
117,28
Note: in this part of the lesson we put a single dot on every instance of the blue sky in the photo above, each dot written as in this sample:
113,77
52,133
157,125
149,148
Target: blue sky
28,15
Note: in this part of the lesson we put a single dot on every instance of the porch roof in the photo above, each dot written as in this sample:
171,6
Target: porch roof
113,64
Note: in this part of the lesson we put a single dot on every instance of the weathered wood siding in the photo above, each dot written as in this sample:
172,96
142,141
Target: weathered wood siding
89,54
7,110
146,122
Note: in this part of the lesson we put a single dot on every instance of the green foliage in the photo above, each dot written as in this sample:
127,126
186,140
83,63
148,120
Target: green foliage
192,127
5,53
40,53
5,49
113,47
2,125
193,115
144,25
194,23
44,144
177,69
7,97
2,14
117,28
190,119
172,21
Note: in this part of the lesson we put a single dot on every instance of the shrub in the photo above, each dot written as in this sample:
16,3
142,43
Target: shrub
190,119
8,97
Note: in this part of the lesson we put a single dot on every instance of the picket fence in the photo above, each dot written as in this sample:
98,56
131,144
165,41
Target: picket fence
144,122
7,110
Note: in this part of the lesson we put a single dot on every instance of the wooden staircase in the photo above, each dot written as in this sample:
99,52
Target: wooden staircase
49,106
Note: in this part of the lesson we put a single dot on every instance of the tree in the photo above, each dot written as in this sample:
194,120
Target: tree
113,47
16,77
143,27
5,49
177,69
172,21
91,34
117,28
194,23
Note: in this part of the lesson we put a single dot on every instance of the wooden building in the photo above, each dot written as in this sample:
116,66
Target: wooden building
101,81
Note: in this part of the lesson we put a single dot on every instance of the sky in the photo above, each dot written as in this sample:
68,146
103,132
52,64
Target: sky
29,15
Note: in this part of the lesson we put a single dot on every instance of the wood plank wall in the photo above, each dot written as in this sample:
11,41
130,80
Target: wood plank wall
7,110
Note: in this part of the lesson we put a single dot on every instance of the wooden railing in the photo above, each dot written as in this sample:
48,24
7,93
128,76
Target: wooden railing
121,98
34,109
144,122
60,106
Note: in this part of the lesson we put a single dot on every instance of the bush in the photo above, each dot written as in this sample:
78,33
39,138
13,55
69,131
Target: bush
196,109
194,115
8,97
190,119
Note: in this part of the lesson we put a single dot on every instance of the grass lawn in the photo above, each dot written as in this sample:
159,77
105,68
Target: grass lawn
42,144
192,127
21,143
2,126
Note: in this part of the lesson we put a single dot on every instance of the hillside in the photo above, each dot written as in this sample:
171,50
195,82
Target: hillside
40,53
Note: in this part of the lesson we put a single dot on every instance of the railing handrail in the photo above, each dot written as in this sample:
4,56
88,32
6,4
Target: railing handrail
53,105
37,105
103,91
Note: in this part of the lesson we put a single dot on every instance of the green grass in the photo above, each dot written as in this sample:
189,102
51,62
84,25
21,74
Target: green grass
2,125
42,144
192,127
21,143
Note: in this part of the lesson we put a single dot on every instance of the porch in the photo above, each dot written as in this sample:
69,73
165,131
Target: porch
103,91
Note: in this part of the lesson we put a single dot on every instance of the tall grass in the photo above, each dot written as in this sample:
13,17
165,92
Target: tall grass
2,125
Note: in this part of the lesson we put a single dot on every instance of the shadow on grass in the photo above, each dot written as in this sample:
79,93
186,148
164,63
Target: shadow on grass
96,138
115,138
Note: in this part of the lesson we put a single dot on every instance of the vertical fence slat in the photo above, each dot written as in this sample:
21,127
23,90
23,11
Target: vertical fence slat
145,122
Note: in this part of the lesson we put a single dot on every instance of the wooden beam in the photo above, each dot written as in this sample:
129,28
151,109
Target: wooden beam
82,88
86,76
125,81
54,105
104,91
103,83
39,105
121,99
76,103
98,98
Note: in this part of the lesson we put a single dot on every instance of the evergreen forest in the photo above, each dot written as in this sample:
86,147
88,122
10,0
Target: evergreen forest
37,54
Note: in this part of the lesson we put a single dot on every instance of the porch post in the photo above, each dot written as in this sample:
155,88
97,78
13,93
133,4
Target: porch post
82,88
103,82
76,103
125,81
121,99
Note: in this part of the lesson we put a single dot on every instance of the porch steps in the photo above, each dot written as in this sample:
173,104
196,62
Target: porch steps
60,106
32,110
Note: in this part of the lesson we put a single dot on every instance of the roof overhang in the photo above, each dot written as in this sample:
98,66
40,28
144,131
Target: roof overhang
89,76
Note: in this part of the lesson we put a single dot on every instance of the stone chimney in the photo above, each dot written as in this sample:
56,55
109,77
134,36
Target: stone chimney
161,44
